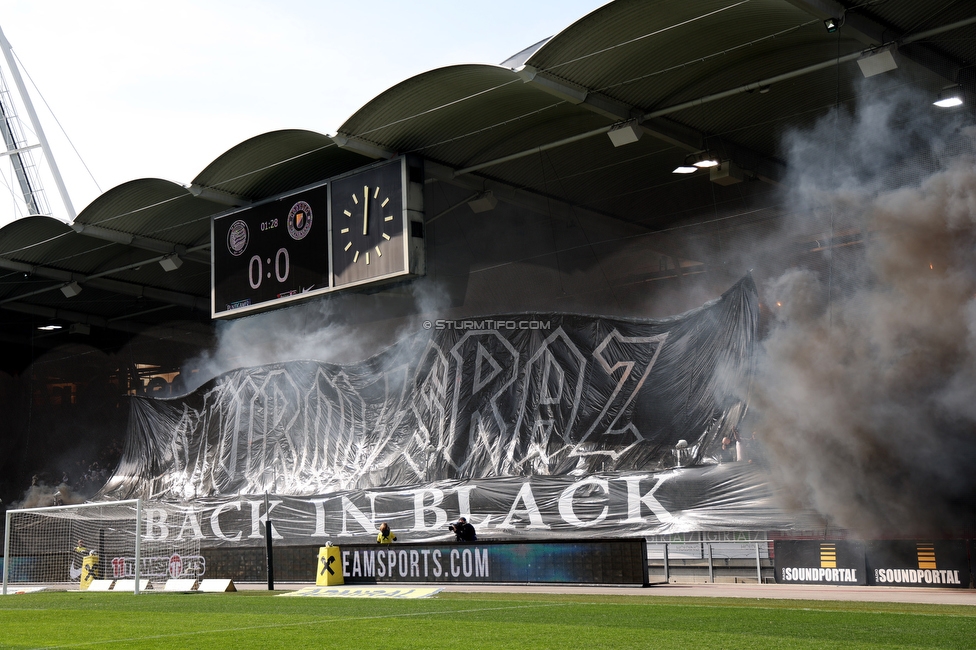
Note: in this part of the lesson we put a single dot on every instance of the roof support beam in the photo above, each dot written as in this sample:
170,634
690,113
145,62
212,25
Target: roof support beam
40,271
120,324
142,291
196,254
670,132
571,93
510,194
218,196
97,281
55,314
534,150
661,128
363,147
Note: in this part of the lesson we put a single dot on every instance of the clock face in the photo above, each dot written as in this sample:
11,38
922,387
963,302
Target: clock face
367,225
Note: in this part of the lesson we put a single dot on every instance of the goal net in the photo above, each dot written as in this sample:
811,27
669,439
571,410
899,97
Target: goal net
69,546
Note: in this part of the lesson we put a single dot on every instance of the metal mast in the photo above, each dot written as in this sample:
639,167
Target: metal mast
19,153
16,144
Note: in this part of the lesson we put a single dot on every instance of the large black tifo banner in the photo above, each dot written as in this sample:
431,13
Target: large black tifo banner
834,562
530,424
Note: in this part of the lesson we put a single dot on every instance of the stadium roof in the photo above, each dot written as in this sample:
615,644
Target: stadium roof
726,77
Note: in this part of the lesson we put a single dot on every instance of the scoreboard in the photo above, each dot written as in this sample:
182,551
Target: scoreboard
271,253
364,227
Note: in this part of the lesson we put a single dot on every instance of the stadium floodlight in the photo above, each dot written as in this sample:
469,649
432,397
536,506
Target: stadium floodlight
706,160
832,25
949,96
699,160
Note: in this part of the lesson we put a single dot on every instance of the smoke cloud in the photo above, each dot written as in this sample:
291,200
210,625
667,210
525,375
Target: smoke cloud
341,329
42,495
865,394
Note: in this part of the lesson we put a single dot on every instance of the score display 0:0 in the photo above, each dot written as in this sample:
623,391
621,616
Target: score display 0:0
281,260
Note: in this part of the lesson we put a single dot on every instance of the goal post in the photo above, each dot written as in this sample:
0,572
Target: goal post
68,546
58,545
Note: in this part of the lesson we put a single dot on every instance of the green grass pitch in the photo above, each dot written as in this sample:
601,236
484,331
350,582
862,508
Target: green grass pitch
257,619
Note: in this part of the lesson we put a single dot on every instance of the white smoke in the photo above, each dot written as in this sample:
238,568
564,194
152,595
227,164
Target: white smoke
40,495
337,329
866,389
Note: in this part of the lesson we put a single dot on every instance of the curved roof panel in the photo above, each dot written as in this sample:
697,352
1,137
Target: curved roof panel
458,114
32,239
135,205
154,209
275,162
658,52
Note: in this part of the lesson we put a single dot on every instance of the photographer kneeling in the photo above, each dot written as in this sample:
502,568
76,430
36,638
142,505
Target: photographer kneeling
463,530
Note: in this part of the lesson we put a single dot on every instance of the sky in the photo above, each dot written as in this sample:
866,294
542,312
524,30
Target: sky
128,90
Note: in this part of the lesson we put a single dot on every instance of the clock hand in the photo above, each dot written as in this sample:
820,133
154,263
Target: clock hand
365,208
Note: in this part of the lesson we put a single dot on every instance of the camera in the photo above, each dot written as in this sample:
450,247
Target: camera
450,527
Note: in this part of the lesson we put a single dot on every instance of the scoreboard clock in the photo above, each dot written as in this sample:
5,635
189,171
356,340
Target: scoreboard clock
376,217
356,229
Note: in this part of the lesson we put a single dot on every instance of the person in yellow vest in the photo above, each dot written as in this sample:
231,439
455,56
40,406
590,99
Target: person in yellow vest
385,536
80,552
